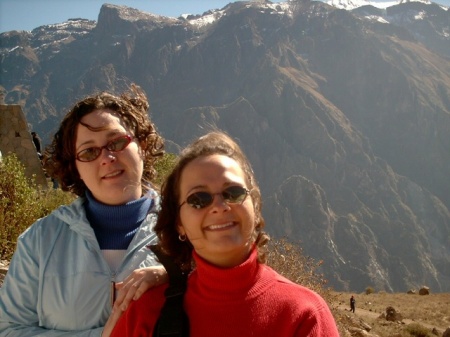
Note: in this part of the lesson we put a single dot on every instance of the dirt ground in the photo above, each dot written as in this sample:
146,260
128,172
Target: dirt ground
431,311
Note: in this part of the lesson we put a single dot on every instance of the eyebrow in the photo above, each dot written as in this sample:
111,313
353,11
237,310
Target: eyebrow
110,134
202,187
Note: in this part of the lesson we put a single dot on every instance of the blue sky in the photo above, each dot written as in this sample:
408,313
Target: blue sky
30,14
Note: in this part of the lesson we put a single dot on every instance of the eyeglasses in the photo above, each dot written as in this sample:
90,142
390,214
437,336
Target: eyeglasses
116,145
231,195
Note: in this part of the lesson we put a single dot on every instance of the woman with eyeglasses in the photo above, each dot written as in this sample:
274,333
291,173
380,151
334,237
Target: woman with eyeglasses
211,225
73,266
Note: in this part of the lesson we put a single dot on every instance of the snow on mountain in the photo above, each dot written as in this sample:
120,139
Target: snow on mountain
352,4
203,20
211,16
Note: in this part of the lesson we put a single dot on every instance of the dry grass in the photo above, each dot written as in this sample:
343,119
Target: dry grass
287,258
429,311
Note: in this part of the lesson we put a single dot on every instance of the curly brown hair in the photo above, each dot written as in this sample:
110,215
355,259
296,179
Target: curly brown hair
132,107
216,142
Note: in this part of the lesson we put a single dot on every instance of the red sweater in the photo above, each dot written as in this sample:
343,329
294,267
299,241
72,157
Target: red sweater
248,300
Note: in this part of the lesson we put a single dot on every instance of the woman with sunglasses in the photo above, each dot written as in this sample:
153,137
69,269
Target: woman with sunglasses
210,223
72,266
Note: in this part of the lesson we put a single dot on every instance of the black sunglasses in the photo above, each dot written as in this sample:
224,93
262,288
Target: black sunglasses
231,195
114,145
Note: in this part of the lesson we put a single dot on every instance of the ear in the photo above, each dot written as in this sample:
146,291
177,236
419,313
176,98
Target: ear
179,227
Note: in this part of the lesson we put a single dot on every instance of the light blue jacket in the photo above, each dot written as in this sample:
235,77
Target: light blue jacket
58,283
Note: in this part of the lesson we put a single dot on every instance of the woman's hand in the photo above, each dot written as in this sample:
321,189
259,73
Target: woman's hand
112,320
137,283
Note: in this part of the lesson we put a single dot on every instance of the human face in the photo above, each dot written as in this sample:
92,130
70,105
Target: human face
221,233
113,178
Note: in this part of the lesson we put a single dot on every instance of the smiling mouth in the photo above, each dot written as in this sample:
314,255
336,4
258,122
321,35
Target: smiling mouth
222,226
113,174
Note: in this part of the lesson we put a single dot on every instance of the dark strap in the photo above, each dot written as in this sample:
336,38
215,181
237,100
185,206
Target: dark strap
173,320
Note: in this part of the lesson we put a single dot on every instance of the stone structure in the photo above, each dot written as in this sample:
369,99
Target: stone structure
15,137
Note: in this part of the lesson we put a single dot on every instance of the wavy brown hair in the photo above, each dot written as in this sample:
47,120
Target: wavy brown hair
132,107
166,227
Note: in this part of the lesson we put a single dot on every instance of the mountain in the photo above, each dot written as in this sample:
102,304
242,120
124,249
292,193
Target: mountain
345,115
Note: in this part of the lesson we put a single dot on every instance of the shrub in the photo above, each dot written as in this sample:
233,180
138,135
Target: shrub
287,259
369,290
17,203
22,202
164,166
417,330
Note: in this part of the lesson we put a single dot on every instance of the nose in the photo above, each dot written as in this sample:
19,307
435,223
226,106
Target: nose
219,203
107,156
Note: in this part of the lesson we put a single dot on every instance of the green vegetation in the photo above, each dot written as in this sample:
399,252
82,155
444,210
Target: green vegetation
163,166
22,202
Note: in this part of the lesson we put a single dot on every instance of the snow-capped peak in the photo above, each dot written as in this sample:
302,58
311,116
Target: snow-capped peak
352,4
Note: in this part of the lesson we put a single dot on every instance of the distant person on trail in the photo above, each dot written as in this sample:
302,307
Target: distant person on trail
72,267
37,144
211,225
352,304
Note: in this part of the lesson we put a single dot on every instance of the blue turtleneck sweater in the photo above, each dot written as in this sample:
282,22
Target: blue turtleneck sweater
115,226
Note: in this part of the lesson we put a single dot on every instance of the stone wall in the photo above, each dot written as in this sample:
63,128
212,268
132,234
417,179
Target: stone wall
15,137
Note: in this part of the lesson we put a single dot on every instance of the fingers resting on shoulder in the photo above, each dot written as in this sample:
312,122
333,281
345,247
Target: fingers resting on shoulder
137,283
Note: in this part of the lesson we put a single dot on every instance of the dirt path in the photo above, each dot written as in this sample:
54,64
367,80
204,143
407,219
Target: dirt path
360,312
366,314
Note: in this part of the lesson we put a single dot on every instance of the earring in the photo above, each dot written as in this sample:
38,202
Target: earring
182,237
